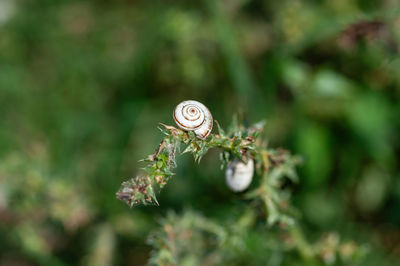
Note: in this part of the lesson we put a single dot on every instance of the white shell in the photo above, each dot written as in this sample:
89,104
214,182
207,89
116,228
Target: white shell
238,175
194,116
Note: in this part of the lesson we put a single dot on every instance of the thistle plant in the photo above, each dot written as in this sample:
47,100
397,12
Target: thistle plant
272,165
192,239
275,168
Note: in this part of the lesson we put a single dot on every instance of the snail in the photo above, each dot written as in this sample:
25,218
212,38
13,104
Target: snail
194,116
238,175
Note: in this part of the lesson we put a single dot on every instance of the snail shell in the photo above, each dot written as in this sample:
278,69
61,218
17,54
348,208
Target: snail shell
194,116
238,175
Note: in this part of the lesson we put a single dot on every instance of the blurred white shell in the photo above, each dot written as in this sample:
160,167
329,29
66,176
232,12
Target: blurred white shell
194,116
238,175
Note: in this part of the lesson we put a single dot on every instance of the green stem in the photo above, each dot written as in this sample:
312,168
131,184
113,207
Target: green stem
303,247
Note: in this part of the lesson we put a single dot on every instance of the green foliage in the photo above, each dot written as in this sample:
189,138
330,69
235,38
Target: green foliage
272,165
82,84
192,239
216,244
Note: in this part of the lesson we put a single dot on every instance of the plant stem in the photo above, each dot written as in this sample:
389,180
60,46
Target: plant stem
303,247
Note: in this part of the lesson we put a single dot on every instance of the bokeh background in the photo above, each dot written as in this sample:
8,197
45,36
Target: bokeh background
84,84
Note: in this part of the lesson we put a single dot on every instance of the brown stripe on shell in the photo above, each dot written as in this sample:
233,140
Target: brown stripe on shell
178,122
207,116
205,135
190,119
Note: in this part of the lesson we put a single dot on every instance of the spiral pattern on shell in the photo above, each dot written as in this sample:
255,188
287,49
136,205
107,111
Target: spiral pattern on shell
239,175
194,116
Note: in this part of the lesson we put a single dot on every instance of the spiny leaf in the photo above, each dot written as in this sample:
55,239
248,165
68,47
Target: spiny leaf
221,132
240,143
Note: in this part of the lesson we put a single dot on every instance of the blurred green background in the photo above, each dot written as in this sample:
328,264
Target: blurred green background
84,84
